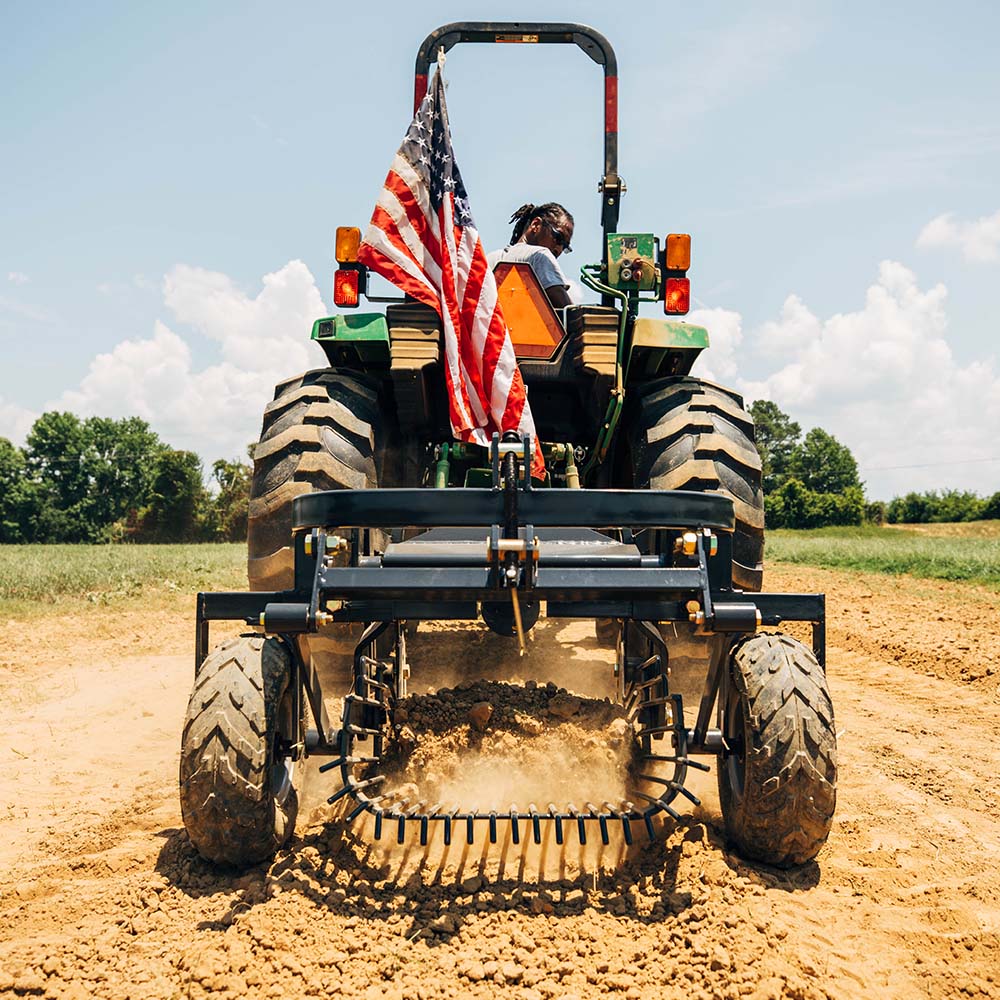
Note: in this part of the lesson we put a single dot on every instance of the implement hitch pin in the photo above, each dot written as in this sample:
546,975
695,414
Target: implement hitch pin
517,620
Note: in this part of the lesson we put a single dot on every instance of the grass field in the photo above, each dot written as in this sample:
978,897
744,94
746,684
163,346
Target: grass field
31,576
967,552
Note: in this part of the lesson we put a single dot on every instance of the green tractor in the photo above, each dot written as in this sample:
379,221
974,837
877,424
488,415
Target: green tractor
650,521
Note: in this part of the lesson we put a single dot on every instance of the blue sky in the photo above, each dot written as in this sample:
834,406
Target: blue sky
171,177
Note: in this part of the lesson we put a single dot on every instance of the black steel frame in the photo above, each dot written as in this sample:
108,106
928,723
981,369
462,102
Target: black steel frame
591,41
685,576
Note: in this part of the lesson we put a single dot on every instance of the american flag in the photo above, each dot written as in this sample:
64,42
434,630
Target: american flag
422,238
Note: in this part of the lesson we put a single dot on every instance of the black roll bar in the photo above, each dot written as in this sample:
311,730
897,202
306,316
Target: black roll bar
541,33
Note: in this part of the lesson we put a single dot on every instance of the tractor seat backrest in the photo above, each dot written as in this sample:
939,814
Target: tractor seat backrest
534,325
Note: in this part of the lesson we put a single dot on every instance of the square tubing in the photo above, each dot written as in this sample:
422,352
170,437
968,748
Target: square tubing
720,644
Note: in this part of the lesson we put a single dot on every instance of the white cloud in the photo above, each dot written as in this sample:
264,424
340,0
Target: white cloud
266,333
978,240
17,277
15,421
884,381
725,334
215,410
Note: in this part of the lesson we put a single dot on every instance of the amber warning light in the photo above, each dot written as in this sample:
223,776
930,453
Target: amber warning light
345,288
348,242
678,252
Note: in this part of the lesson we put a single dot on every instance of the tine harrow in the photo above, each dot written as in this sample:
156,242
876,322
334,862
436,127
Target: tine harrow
651,709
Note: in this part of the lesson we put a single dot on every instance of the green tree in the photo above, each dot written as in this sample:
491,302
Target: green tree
233,500
794,505
957,505
14,488
177,499
777,438
54,459
823,464
118,461
875,512
914,508
991,508
85,475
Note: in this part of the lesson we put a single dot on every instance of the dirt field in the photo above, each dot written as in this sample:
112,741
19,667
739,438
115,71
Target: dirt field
101,894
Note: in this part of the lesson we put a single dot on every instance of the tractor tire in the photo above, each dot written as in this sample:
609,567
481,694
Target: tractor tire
237,791
321,432
778,785
687,434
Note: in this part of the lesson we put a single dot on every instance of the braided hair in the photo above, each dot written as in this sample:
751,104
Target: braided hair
551,212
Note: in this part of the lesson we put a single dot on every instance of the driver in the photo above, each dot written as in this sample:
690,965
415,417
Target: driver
541,233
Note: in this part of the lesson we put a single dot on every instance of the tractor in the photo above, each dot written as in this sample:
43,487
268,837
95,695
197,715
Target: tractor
367,517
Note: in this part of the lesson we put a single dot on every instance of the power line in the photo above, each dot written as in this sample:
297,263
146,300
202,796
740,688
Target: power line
924,465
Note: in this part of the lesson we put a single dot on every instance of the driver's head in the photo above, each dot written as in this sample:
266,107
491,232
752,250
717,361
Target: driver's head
548,225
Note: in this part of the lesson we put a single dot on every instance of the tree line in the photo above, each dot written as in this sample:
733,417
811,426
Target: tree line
813,482
104,480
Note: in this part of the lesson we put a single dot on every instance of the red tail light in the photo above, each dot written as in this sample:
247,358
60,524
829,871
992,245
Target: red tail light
345,288
678,296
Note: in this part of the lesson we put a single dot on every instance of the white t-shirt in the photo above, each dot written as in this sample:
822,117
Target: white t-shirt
541,259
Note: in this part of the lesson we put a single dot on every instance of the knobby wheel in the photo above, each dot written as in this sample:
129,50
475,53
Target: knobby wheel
778,783
237,778
687,434
322,431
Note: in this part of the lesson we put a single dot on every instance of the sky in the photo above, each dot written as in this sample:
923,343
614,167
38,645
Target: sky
171,178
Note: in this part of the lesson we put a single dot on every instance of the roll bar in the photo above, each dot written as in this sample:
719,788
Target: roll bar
529,32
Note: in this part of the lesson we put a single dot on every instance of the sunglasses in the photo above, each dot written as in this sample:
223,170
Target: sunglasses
559,237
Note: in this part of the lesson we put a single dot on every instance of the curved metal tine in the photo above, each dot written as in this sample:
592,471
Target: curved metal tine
470,825
557,816
602,820
658,701
410,813
515,825
686,761
536,823
356,811
652,682
660,804
379,814
346,789
425,820
620,812
493,827
690,796
648,662
368,782
448,819
647,818
668,782
581,824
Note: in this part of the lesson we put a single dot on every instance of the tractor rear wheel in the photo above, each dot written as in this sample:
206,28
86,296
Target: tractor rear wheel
237,778
687,434
778,783
322,431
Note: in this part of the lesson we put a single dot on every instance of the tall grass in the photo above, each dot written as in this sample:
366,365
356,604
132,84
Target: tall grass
941,555
37,574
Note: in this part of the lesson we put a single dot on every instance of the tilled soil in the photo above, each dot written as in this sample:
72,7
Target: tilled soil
101,894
